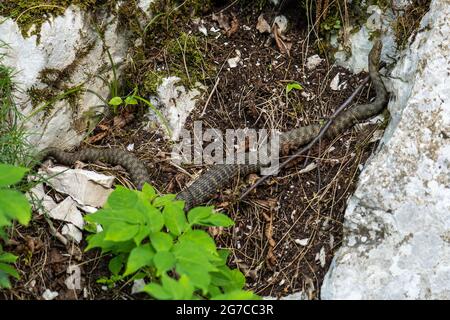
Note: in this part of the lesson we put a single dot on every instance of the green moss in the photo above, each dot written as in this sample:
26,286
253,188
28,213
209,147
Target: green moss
185,60
39,96
152,80
35,12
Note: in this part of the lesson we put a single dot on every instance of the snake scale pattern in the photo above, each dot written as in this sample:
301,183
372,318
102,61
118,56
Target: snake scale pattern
220,175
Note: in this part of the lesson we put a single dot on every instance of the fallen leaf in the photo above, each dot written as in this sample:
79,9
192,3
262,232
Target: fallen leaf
119,122
283,44
262,25
234,26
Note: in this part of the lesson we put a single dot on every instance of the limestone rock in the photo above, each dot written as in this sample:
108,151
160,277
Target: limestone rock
68,53
397,225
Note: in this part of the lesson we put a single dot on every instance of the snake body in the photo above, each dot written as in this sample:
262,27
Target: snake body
220,175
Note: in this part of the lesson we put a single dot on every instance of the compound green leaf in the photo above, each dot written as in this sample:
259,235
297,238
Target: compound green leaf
175,219
164,261
198,214
10,174
161,241
157,291
139,257
14,205
121,231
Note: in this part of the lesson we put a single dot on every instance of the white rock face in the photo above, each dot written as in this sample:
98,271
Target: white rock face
144,5
176,103
397,224
67,43
360,44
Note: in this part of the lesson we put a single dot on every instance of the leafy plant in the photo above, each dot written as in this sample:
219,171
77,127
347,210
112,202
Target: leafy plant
132,99
331,23
13,206
151,237
293,86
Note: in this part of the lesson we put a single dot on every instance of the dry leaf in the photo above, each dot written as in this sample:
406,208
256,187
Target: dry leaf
234,26
262,25
119,122
283,44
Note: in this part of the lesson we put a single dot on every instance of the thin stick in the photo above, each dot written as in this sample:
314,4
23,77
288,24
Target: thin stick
209,97
317,138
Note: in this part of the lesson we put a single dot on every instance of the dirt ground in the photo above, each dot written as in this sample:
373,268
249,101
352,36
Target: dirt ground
288,229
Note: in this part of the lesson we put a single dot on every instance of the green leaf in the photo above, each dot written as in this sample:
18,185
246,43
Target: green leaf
237,295
141,235
7,257
98,241
149,192
139,257
130,100
116,101
115,265
174,219
4,280
194,263
214,290
164,200
228,279
11,174
293,85
164,261
179,290
8,269
123,198
14,205
157,291
106,217
121,231
198,214
223,254
161,241
218,220
202,241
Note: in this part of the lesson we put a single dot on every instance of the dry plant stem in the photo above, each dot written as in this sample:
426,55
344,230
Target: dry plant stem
314,141
209,97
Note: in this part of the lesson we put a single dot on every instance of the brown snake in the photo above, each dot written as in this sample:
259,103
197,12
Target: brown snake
220,175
